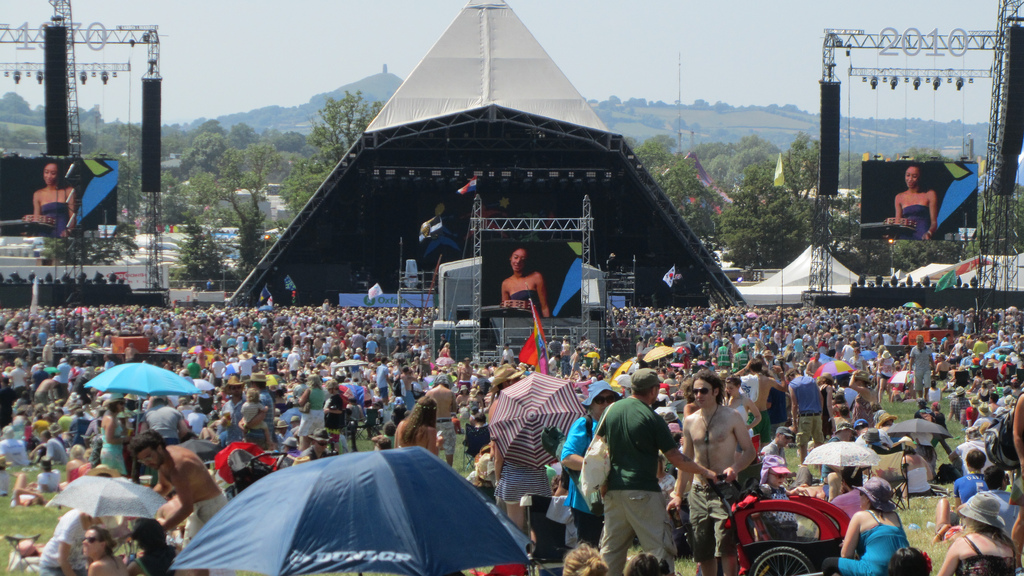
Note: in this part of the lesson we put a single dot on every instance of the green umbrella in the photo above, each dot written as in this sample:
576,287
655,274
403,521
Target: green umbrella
51,370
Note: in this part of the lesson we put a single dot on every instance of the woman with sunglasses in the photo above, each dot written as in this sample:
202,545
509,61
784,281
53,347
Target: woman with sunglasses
600,396
98,548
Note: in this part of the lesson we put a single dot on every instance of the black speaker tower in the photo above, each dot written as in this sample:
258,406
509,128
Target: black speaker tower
151,134
828,159
1013,128
56,74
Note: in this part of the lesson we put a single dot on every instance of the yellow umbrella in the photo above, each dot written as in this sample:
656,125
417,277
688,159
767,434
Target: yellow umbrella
271,380
622,370
658,353
593,355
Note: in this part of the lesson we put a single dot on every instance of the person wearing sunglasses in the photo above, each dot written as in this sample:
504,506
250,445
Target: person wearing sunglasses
98,547
599,397
634,504
716,437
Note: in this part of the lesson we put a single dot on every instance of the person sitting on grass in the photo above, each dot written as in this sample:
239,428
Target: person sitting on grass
910,562
948,523
984,548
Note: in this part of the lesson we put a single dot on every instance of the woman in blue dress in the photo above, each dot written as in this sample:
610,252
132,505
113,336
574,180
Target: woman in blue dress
919,206
52,204
874,535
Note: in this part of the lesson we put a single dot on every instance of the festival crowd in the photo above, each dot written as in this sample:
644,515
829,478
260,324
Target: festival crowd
683,437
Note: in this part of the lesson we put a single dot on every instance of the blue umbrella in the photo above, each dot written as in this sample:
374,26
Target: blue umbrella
142,379
1003,349
357,391
869,354
395,511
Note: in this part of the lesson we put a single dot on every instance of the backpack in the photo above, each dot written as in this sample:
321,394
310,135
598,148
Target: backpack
999,444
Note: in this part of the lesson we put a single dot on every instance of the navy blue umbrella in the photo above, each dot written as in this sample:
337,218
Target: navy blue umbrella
395,511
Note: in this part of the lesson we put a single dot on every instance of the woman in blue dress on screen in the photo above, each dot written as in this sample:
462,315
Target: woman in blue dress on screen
51,204
920,207
523,286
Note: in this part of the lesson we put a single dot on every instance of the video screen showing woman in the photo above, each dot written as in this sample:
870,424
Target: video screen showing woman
920,207
524,285
52,204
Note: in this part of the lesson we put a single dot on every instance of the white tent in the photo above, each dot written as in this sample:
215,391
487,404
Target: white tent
787,286
486,56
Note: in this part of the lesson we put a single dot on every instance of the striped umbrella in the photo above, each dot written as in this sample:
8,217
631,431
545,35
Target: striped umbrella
525,409
834,368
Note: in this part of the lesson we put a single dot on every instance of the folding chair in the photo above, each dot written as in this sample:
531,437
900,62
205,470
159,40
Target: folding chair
893,470
476,438
371,426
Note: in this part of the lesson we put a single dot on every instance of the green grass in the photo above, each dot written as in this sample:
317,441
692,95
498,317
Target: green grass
42,520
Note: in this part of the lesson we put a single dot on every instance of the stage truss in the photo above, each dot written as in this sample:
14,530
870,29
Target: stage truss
998,229
479,226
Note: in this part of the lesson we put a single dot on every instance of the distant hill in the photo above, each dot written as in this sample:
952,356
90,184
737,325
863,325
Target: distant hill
296,118
635,117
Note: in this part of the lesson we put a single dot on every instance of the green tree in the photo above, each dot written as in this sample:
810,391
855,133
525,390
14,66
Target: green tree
199,256
241,136
765,226
204,155
335,128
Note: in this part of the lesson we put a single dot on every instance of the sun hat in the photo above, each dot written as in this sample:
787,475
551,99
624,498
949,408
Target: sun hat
773,463
667,413
595,389
881,419
104,470
984,507
8,433
871,436
503,373
321,435
879,492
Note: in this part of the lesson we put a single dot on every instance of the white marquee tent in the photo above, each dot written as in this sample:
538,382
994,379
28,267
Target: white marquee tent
786,286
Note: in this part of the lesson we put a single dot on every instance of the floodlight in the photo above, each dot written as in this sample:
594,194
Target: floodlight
917,83
874,82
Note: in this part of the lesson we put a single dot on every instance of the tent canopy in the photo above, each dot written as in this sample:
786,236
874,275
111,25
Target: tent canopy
787,285
486,56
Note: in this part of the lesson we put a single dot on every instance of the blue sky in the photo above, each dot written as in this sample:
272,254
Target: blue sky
225,56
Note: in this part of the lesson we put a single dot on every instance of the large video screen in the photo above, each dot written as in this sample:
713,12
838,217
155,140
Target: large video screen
550,274
36,198
918,200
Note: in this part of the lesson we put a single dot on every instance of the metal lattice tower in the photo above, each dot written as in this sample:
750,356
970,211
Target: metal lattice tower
997,237
62,17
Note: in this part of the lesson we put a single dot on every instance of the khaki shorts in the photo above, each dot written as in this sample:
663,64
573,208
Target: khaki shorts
809,428
447,430
708,514
201,514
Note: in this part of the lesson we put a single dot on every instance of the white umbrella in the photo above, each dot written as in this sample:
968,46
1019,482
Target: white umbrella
900,377
202,384
842,454
353,363
98,496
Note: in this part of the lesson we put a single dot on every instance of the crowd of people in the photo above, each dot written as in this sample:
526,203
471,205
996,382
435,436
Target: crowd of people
686,436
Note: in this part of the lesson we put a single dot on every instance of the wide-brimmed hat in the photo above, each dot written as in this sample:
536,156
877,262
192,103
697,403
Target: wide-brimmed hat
879,492
881,419
595,389
258,377
56,429
280,423
862,376
959,391
503,373
984,507
667,413
103,470
871,436
111,398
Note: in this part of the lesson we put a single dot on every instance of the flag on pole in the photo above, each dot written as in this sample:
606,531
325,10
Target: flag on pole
375,291
469,187
265,297
947,281
670,276
289,284
780,178
534,351
33,307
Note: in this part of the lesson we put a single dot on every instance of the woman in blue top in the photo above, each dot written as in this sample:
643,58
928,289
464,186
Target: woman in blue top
600,396
874,535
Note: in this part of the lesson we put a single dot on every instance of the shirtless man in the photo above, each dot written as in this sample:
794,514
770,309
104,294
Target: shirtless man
442,394
197,497
765,382
716,438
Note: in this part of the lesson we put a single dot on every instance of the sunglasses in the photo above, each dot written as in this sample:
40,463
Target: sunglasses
605,399
702,391
322,442
91,539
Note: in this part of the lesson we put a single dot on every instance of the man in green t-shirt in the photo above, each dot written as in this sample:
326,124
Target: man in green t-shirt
634,504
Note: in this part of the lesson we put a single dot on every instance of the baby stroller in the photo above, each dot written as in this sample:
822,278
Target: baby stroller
242,464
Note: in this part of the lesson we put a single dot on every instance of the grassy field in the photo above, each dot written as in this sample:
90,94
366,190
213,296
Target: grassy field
36,520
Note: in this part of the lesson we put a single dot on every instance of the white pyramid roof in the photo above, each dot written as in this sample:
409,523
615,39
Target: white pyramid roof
787,285
486,56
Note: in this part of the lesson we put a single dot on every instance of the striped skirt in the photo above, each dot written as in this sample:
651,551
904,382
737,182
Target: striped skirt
518,481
